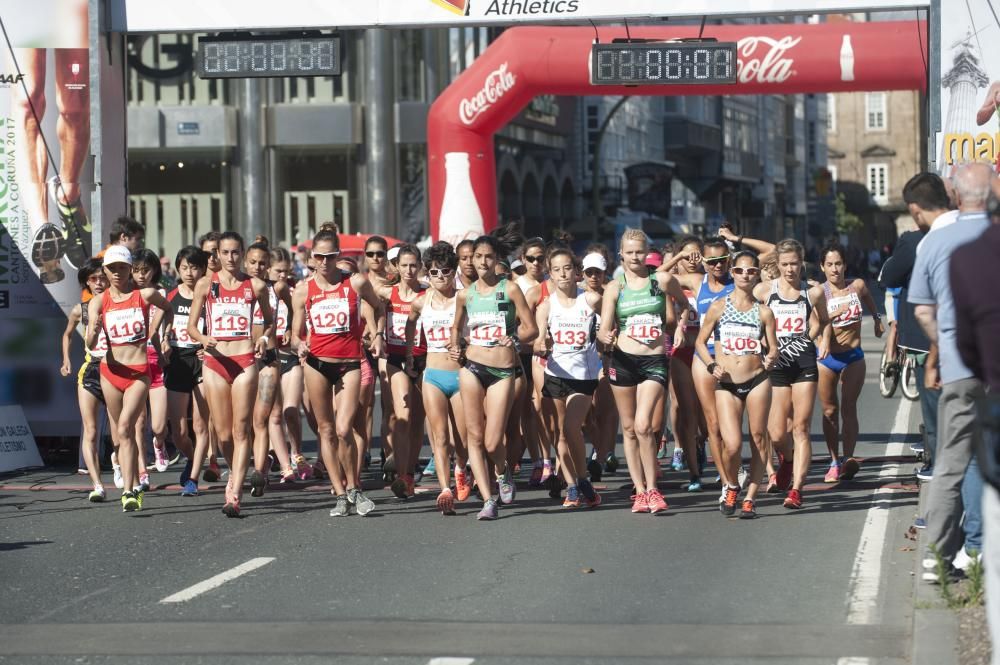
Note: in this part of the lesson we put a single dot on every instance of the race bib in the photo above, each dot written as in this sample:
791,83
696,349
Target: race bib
395,329
739,340
437,332
231,319
101,348
179,337
790,319
645,328
486,328
125,326
282,320
844,310
570,336
331,316
693,319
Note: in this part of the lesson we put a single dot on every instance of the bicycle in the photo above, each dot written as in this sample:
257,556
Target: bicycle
892,372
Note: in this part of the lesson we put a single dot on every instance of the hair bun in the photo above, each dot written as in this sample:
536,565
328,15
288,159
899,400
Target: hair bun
330,227
261,240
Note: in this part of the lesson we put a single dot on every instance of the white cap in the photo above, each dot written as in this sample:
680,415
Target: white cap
595,260
117,254
392,253
516,263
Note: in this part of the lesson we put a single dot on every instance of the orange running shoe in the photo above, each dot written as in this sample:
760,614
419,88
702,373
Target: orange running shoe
655,501
748,510
793,500
728,505
462,487
572,499
446,502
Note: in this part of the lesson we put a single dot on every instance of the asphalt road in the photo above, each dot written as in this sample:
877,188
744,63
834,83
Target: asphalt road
831,583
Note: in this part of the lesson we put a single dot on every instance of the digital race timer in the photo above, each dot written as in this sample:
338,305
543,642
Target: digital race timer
247,56
651,63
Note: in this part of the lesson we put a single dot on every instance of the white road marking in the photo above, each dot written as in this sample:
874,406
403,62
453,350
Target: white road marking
217,581
854,660
863,605
451,661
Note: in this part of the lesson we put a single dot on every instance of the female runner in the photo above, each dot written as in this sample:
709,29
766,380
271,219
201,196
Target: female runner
466,274
569,319
637,303
332,354
88,391
845,363
603,419
258,265
535,413
122,314
209,243
800,317
146,273
432,314
362,423
490,307
739,323
231,349
182,376
403,378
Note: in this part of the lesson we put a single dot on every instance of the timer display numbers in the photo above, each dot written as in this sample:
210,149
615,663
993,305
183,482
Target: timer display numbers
269,56
663,63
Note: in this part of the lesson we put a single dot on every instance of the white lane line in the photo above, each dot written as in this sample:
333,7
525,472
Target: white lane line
451,661
863,605
854,660
218,580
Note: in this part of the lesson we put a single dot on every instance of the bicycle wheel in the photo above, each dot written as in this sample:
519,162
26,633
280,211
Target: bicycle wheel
888,376
908,378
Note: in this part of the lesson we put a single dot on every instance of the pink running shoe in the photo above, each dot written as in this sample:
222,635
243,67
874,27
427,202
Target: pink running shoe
640,503
833,474
655,501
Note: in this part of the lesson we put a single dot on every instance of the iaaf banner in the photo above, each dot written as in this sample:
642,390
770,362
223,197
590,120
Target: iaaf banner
198,15
44,197
970,86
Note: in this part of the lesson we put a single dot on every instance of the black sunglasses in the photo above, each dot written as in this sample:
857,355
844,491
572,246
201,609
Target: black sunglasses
372,255
535,258
593,272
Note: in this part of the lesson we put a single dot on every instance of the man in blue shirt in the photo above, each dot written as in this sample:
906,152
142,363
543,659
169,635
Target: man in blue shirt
930,292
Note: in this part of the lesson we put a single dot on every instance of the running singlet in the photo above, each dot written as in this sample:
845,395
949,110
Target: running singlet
706,297
334,318
844,310
436,324
278,309
230,312
791,318
640,311
574,341
692,321
490,315
739,333
179,338
127,322
101,348
395,326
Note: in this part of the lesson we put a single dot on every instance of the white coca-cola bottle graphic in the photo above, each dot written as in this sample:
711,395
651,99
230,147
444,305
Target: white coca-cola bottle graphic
846,59
460,214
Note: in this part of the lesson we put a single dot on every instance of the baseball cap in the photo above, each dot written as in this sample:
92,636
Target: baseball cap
117,254
595,260
654,259
392,254
516,263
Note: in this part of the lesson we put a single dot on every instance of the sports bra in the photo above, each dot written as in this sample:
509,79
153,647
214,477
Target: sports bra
739,333
125,323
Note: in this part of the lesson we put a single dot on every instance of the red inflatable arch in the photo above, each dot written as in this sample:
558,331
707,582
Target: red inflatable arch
529,61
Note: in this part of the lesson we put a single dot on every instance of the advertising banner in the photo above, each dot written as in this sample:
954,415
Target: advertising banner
45,186
17,445
970,87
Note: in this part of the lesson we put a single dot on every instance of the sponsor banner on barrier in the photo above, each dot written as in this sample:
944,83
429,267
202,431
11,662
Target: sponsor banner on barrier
17,445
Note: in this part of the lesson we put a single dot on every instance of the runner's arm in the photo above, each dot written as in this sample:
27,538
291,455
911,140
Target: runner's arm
869,302
197,305
94,320
72,321
527,330
606,334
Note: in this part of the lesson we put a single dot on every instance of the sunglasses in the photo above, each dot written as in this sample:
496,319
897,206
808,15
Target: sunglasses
439,272
746,271
375,255
538,258
593,272
717,259
325,257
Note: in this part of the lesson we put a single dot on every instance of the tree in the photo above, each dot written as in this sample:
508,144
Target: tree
847,221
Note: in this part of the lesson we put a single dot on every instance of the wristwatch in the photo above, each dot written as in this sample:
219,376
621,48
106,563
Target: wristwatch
711,367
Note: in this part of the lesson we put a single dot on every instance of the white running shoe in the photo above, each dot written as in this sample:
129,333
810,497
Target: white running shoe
963,561
97,495
119,481
161,462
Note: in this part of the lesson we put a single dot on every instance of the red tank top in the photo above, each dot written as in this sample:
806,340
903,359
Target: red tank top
395,326
230,311
543,293
126,323
334,320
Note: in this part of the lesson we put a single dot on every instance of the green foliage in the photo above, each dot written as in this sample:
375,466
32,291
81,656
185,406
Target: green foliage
956,596
847,221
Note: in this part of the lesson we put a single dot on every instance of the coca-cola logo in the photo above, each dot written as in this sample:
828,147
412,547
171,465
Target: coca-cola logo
497,84
772,66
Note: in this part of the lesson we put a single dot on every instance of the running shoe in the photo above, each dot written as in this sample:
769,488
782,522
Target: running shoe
694,485
96,495
784,476
925,473
742,476
639,503
430,470
920,523
507,488
139,494
462,486
342,509
677,461
656,502
572,499
536,475
129,502
728,506
398,487
446,502
212,474
256,483
287,477
490,510
833,473
189,488
590,495
362,504
119,480
160,456
611,463
555,486
546,471
661,449
748,510
917,447
850,468
232,507
594,470
302,468
175,459
963,560
76,227
81,471
144,481
794,499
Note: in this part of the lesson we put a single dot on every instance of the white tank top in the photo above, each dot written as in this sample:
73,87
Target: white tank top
436,324
574,339
525,283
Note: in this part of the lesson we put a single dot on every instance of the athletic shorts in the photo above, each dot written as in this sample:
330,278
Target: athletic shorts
742,390
183,371
333,372
289,361
445,380
629,370
269,358
399,362
683,353
488,375
155,370
89,378
367,373
837,362
558,388
785,377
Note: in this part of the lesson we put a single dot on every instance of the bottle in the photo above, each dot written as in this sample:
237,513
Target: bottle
461,217
846,60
